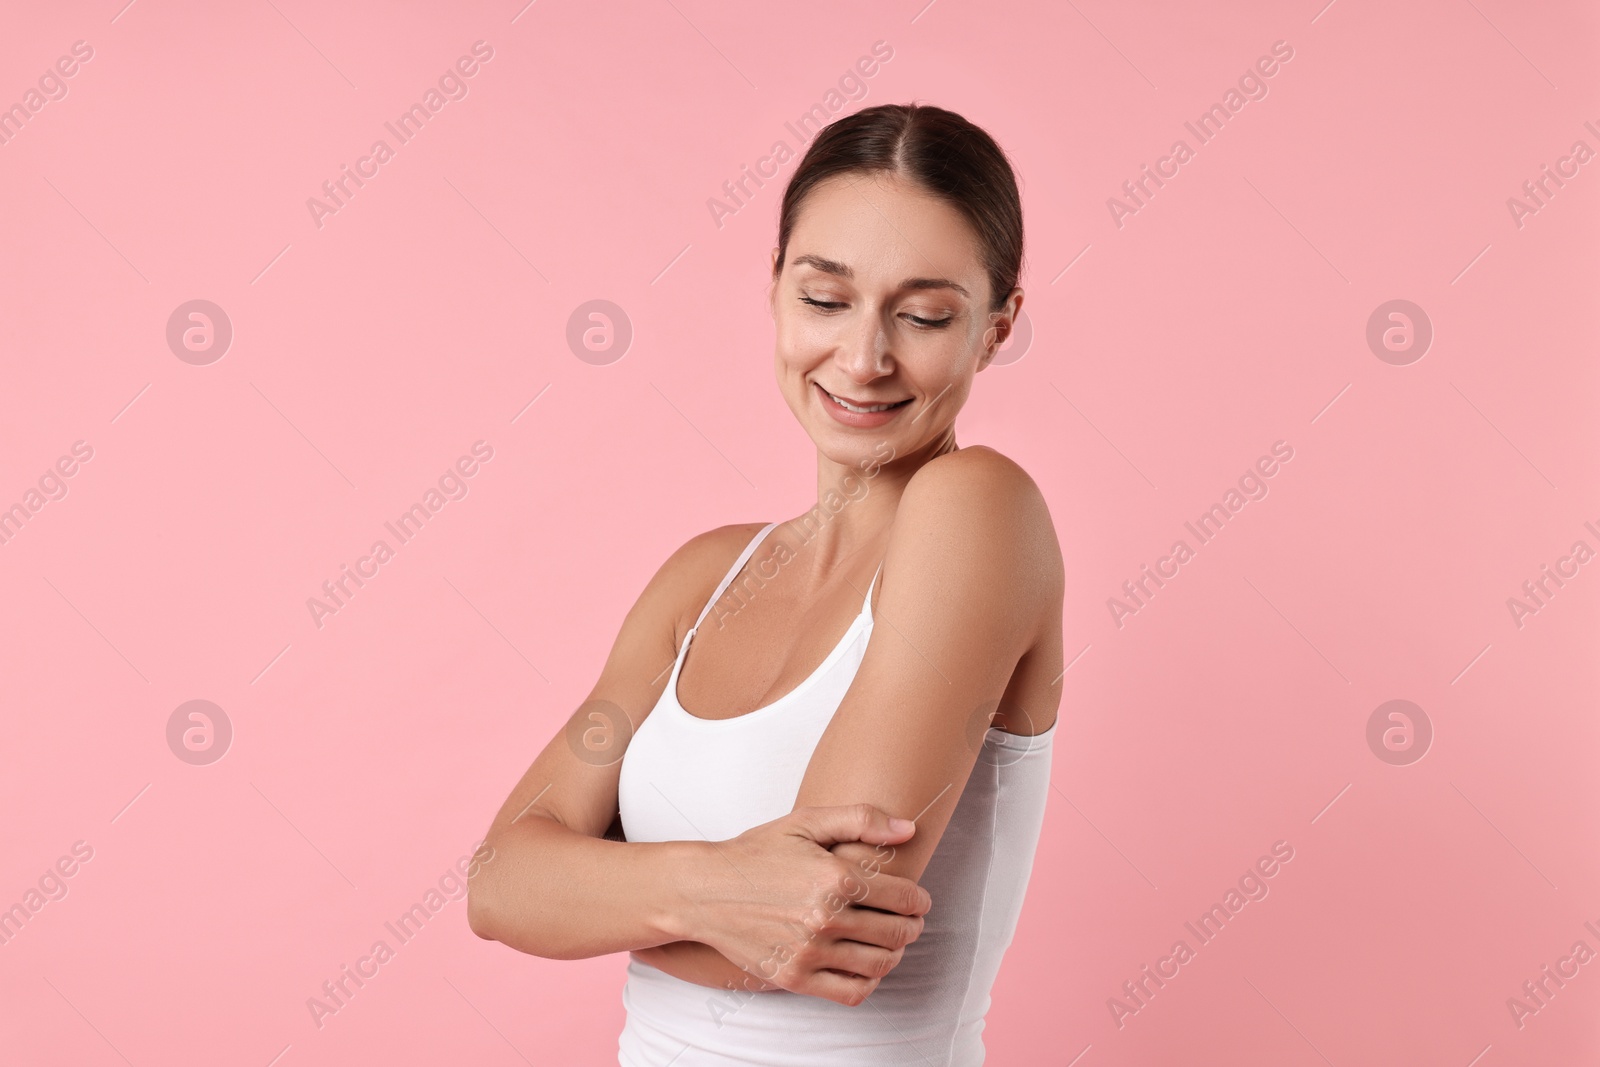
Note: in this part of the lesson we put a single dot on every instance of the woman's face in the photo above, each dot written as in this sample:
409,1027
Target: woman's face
883,299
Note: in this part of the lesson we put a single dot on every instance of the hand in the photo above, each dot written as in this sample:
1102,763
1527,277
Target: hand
794,916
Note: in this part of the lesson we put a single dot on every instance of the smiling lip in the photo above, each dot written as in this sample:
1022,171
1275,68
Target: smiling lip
859,403
863,420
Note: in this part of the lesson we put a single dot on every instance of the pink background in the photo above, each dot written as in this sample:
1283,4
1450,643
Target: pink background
431,310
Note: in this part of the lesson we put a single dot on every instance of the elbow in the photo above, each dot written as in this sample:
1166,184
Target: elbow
480,917
489,919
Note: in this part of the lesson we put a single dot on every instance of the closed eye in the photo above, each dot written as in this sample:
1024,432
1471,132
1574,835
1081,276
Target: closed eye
927,324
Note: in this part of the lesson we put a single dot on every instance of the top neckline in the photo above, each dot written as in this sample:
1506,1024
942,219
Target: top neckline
862,622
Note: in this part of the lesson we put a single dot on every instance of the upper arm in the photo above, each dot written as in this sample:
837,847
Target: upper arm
972,567
574,778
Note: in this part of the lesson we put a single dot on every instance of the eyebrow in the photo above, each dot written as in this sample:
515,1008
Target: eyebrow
829,266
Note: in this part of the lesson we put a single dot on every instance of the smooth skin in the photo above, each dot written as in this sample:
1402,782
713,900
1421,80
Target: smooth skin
883,297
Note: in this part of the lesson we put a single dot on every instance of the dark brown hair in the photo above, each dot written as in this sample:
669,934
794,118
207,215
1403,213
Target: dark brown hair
935,149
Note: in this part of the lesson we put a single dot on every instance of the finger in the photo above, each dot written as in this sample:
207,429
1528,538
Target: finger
839,988
828,826
876,928
866,961
890,892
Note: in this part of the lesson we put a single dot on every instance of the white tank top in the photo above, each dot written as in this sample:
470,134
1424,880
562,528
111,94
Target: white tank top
688,778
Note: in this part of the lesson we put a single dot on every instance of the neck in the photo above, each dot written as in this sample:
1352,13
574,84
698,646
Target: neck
856,505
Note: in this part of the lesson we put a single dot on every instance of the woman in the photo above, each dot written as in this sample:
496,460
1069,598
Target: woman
777,909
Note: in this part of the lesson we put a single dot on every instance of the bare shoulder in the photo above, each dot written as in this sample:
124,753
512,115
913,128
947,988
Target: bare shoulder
693,571
978,496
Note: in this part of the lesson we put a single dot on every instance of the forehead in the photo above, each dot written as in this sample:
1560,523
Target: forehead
884,229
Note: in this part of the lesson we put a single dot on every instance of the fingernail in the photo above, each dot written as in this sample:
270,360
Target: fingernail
901,826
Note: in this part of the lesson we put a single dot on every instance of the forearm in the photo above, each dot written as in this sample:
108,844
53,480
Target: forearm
553,892
701,964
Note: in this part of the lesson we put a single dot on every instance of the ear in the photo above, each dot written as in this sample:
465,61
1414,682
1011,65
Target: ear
772,285
1001,325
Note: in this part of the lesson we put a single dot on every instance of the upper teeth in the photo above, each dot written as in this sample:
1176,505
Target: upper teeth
851,407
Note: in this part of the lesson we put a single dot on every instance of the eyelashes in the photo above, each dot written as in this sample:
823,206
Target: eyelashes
921,323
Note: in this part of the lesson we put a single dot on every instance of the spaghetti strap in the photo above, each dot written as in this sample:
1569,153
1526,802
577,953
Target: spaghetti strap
732,571
866,605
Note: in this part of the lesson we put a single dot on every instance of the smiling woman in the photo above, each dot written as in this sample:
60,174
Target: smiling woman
813,813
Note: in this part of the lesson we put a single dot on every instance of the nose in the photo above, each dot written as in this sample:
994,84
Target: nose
863,351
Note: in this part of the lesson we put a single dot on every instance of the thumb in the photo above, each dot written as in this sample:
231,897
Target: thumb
829,826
